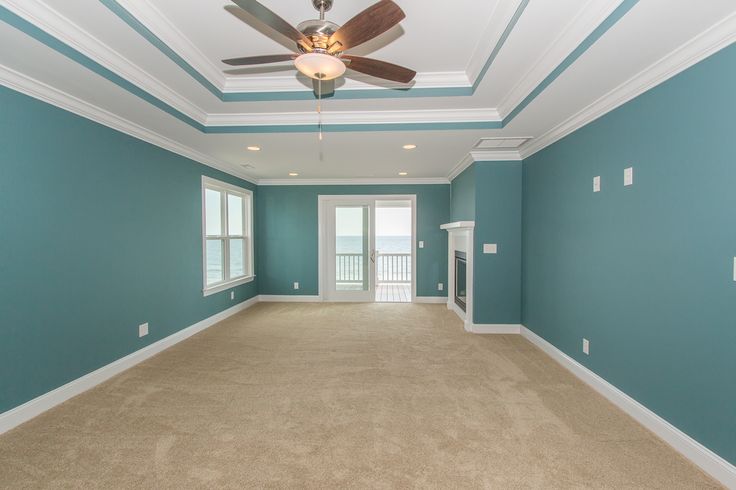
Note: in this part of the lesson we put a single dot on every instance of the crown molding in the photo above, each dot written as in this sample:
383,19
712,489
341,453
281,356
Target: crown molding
356,181
697,49
41,91
156,22
475,156
490,38
466,162
357,81
355,117
593,14
63,29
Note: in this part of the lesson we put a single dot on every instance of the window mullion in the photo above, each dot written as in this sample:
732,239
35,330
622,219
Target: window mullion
225,241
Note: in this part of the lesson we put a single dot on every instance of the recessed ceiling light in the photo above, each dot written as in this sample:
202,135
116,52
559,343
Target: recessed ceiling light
254,148
293,174
403,173
410,147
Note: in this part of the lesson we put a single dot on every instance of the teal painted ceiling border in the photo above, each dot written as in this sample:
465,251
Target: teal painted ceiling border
347,94
346,128
21,24
597,33
42,36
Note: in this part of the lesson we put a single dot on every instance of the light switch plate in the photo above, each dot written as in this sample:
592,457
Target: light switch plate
143,330
629,176
490,248
296,285
232,294
734,268
597,184
421,243
586,347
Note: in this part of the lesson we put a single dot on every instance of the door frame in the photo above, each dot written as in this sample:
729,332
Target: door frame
323,199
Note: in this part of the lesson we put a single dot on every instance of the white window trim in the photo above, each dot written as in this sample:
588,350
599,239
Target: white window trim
208,182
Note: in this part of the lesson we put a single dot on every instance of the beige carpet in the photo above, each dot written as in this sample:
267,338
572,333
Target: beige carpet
342,396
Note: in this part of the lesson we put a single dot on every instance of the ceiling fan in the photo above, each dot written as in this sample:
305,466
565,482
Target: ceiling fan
321,44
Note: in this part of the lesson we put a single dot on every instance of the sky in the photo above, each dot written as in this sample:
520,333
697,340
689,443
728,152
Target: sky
389,221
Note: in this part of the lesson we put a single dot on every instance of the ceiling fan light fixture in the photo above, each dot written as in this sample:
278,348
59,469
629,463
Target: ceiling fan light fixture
320,66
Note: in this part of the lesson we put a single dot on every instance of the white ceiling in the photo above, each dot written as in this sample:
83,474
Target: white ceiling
447,44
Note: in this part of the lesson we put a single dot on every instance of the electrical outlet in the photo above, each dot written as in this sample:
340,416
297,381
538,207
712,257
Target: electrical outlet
232,294
421,243
296,285
597,184
734,268
440,286
629,176
586,347
143,330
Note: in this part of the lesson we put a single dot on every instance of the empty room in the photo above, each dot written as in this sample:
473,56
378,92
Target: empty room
367,244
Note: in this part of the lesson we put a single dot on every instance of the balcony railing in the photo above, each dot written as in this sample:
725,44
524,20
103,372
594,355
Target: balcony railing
349,268
393,268
390,268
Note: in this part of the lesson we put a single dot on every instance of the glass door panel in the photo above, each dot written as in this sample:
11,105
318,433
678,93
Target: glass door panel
351,248
350,265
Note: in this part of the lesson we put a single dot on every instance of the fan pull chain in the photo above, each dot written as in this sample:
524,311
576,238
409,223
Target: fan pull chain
319,106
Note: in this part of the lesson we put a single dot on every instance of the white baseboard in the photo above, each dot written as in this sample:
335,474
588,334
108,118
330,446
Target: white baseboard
286,298
707,460
431,299
22,413
502,328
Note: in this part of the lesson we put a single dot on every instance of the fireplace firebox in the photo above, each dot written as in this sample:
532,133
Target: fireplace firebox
461,286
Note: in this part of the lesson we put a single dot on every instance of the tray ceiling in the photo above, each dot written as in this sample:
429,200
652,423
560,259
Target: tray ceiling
496,79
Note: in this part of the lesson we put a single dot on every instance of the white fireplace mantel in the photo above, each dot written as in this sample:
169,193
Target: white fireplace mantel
458,225
460,238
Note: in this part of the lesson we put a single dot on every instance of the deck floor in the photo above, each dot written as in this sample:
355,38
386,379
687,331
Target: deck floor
393,293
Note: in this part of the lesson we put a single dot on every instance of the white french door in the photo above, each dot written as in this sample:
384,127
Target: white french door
350,266
350,244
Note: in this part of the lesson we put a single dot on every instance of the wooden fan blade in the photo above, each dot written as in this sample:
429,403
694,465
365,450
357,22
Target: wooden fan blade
380,69
373,21
259,60
327,89
273,21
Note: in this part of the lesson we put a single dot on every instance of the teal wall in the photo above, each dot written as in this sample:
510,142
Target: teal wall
489,193
497,277
462,196
645,272
287,238
100,232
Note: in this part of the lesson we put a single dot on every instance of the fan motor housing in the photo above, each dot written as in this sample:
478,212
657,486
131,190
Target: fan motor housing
318,31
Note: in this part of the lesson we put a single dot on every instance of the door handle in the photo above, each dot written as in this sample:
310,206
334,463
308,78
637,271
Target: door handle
373,256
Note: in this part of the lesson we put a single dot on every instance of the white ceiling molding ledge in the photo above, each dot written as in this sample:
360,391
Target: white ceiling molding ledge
719,36
491,37
355,117
356,181
41,91
579,28
499,154
357,81
52,22
156,22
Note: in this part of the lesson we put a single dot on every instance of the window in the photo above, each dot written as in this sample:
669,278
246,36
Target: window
227,240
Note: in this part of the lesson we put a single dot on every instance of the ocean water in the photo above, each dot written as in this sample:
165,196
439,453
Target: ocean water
384,244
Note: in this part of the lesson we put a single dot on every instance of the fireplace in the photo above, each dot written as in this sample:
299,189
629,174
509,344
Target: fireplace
461,283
